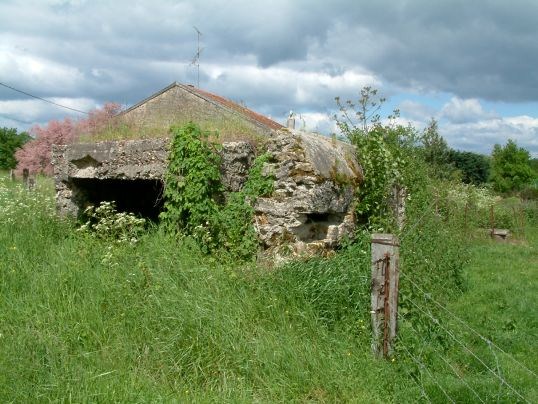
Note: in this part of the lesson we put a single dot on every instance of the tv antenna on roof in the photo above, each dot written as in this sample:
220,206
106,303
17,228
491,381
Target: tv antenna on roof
196,58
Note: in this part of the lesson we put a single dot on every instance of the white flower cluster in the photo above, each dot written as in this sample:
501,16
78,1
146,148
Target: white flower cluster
106,223
465,194
18,205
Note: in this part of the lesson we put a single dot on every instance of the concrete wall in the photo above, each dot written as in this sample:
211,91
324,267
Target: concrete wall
80,165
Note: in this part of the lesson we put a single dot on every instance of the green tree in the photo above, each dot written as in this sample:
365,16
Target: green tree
10,141
436,151
534,165
510,167
473,167
435,146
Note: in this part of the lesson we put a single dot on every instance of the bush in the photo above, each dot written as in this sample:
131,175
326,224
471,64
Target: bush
10,142
510,167
530,192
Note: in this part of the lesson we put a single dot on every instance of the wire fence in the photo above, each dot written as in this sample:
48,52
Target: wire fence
440,365
459,343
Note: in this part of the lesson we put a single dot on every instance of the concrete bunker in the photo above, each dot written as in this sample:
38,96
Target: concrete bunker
310,209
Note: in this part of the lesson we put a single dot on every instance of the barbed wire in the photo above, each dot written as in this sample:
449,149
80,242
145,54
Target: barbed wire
501,379
450,366
464,323
461,378
409,229
420,386
421,365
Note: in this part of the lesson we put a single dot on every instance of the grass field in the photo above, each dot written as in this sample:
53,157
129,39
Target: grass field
87,320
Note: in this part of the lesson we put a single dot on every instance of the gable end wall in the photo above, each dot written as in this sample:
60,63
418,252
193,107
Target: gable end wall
177,105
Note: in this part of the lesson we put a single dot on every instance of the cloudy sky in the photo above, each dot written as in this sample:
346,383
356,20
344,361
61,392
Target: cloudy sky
470,64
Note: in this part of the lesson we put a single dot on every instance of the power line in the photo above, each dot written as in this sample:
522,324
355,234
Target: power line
43,99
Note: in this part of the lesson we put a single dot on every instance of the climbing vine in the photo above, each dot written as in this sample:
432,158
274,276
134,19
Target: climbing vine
195,203
192,180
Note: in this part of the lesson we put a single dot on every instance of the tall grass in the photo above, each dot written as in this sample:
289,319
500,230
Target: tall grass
449,266
84,319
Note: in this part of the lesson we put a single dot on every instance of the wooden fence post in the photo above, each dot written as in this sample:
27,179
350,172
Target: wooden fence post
31,182
492,221
523,221
25,175
12,175
384,297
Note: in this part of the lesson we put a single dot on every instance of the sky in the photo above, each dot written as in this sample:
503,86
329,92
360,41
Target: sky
471,65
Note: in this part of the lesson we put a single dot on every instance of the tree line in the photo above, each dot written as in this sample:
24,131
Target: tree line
508,169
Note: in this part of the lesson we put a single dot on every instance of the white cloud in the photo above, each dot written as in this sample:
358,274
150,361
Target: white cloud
316,122
287,55
30,111
34,73
280,88
459,110
416,111
480,136
465,125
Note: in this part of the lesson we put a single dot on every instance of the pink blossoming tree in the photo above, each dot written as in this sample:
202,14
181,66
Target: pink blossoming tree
36,154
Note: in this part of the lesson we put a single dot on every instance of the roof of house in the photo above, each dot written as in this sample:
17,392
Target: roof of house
218,100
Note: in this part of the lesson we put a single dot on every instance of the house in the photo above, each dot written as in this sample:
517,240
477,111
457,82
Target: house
180,103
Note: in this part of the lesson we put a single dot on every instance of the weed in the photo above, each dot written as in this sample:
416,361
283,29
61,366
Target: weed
106,223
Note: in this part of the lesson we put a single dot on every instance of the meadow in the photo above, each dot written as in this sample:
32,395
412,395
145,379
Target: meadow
89,319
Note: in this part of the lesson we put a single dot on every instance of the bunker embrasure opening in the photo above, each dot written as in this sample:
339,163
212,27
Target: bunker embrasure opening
142,197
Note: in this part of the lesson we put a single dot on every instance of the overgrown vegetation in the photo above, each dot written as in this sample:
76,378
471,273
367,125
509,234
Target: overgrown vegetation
36,156
126,311
88,319
103,124
387,153
443,215
195,203
229,130
106,223
159,320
